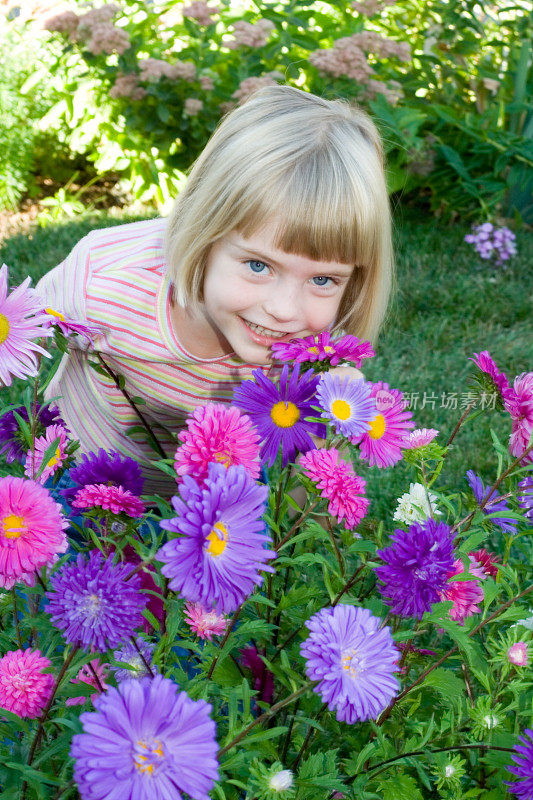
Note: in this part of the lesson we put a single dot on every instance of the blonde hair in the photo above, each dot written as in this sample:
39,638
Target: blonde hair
315,164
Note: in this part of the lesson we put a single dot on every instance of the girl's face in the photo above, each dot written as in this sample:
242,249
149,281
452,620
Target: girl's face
255,294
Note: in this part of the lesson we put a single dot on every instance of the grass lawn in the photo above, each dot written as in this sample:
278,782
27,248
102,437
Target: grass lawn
449,304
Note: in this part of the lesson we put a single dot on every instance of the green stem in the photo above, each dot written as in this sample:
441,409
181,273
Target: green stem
307,740
462,419
16,617
143,659
297,524
231,623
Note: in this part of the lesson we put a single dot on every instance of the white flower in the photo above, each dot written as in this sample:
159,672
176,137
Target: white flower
449,770
281,781
526,623
413,506
490,721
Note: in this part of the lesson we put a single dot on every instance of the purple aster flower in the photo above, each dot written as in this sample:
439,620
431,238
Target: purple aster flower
217,559
525,497
146,740
347,404
416,568
523,767
279,412
354,659
324,349
112,469
128,654
490,241
495,504
14,446
92,602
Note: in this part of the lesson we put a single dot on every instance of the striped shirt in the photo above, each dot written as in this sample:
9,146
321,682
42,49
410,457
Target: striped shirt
115,280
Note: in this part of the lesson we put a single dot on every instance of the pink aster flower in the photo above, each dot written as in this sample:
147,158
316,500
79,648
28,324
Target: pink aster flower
94,677
24,688
517,654
485,561
338,483
34,460
204,623
111,498
69,326
486,364
520,407
323,348
32,531
465,595
382,445
419,438
219,433
21,321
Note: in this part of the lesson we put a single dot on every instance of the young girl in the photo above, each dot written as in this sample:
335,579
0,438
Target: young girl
283,230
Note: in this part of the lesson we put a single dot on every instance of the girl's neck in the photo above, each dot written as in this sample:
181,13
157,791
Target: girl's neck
196,334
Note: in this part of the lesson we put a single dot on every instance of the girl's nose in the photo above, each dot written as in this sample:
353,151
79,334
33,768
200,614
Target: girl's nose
282,304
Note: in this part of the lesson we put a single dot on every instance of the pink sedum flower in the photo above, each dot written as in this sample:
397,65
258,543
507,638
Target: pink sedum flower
419,438
465,595
32,530
205,624
24,688
382,445
518,655
95,679
217,433
338,483
21,321
111,498
520,407
34,460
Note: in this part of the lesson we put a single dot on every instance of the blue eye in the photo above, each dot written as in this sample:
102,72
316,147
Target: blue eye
321,280
257,266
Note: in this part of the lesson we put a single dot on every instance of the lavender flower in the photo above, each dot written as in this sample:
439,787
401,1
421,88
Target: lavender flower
146,740
523,767
354,660
217,560
490,241
92,602
494,504
525,497
111,468
129,654
416,568
14,446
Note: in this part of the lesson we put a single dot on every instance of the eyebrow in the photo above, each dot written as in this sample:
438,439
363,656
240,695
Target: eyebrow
335,271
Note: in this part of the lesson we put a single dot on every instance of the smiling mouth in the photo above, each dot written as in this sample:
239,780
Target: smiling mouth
261,331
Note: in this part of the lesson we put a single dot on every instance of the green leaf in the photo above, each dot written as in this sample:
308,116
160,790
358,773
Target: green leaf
399,787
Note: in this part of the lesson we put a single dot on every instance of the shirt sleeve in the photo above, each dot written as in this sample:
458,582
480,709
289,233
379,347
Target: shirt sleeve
64,288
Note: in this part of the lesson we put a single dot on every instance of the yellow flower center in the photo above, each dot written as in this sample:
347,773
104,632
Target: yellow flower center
329,349
313,350
223,458
4,328
341,409
377,427
217,545
13,526
285,415
147,755
55,313
352,663
55,458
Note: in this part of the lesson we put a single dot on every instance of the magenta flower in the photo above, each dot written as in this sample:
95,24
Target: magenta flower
34,459
337,482
486,364
32,530
353,656
94,677
24,688
382,445
324,349
520,407
518,655
279,412
347,404
485,561
21,321
203,622
419,438
115,499
262,677
216,432
69,327
465,595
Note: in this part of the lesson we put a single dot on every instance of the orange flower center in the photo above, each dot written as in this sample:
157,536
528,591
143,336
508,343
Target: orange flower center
285,415
148,755
4,328
217,539
377,427
13,526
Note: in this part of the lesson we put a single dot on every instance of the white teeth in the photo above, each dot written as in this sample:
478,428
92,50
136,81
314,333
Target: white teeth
265,331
